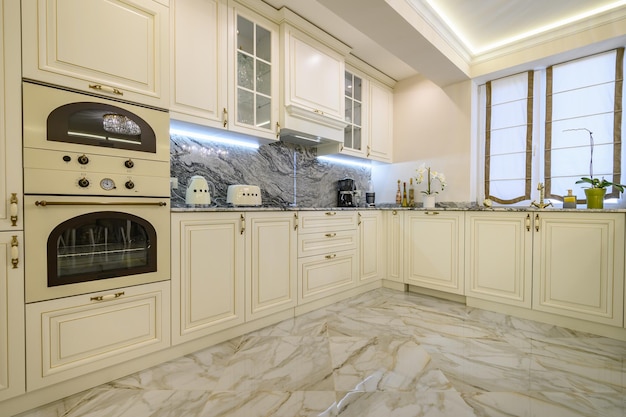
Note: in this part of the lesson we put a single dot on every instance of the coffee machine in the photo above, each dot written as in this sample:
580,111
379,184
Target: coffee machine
347,194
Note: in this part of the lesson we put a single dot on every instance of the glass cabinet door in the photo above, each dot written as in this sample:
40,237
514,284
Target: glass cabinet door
353,116
254,74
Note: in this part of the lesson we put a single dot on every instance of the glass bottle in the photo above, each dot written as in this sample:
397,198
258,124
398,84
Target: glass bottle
398,194
405,202
411,193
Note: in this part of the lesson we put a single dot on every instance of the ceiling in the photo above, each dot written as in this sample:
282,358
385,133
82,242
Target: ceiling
443,39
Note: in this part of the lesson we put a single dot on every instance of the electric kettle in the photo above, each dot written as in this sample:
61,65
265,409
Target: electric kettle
198,191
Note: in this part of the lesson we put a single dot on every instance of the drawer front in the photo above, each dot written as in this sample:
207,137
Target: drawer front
324,275
326,242
327,221
72,336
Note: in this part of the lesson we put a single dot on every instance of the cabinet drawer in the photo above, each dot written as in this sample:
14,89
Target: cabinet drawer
326,242
327,221
72,336
324,275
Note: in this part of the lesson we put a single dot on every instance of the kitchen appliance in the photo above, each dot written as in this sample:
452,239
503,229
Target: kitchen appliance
198,191
347,194
243,195
97,192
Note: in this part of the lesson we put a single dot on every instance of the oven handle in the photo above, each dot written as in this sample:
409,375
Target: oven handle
44,203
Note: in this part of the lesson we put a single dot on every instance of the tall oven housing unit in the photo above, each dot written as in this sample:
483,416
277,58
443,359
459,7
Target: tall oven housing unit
97,231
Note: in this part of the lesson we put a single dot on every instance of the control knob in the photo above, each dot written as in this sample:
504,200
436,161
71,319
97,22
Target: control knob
129,163
83,182
129,184
83,159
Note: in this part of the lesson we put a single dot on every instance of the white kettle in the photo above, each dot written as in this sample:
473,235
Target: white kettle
198,191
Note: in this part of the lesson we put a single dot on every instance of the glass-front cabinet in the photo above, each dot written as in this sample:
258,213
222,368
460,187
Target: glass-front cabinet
254,99
353,132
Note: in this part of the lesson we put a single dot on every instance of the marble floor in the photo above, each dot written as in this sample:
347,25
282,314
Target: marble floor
383,353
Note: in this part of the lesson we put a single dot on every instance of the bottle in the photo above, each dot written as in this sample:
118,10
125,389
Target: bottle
411,194
569,201
405,202
398,194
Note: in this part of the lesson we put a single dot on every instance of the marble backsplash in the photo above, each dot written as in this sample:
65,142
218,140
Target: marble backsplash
287,174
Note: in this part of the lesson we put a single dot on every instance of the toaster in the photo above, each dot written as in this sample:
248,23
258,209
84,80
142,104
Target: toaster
243,195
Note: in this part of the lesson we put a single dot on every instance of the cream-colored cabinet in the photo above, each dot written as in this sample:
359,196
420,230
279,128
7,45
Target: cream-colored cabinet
110,47
380,118
498,257
70,337
12,359
271,263
225,67
371,245
578,265
327,253
208,271
12,376
394,223
433,246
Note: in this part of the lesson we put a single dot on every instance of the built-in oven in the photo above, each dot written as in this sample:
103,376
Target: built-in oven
96,185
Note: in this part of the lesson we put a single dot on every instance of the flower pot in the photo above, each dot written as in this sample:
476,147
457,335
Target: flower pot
429,201
595,197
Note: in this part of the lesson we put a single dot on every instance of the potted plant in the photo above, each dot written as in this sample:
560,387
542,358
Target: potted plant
425,173
597,190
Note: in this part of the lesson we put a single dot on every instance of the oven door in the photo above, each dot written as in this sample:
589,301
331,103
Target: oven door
82,245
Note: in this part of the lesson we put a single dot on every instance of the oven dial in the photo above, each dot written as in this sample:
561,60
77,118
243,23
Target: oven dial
107,184
83,182
129,184
129,163
83,159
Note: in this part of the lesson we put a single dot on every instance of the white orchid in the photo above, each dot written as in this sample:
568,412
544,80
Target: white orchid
430,175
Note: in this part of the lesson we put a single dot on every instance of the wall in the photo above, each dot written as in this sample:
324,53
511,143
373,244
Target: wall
432,125
272,167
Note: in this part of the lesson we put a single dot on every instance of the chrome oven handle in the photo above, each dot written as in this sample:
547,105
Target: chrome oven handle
44,203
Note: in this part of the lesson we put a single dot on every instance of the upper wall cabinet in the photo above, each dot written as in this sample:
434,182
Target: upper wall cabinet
110,47
224,67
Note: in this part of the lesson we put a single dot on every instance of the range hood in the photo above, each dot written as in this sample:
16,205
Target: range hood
307,128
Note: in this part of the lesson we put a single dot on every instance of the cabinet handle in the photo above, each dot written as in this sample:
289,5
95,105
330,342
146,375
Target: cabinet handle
295,220
431,213
330,234
368,150
243,224
395,212
331,213
318,112
108,296
537,222
106,89
13,202
528,222
334,255
277,130
359,221
15,254
225,123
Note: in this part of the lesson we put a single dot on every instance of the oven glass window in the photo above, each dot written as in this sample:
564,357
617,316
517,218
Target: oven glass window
100,245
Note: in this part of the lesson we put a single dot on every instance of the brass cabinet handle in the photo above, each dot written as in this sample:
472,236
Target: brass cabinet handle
431,213
243,224
528,222
13,202
537,222
334,255
15,254
107,297
330,234
295,218
369,149
359,221
225,117
107,89
331,213
277,130
395,212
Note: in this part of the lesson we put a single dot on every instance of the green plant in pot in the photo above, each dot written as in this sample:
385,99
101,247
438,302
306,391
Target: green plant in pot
597,188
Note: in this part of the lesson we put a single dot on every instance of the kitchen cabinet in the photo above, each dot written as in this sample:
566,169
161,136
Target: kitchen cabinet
394,222
208,272
225,67
368,113
498,262
371,245
12,358
433,243
115,48
72,336
271,263
327,253
578,265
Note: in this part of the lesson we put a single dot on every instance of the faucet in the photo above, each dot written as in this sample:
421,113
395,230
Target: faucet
540,204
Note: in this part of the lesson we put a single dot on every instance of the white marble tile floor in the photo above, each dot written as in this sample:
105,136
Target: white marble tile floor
381,354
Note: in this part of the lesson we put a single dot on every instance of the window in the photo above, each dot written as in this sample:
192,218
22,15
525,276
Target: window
539,127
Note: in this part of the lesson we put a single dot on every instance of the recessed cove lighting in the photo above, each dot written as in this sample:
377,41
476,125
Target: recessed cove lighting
345,161
210,138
